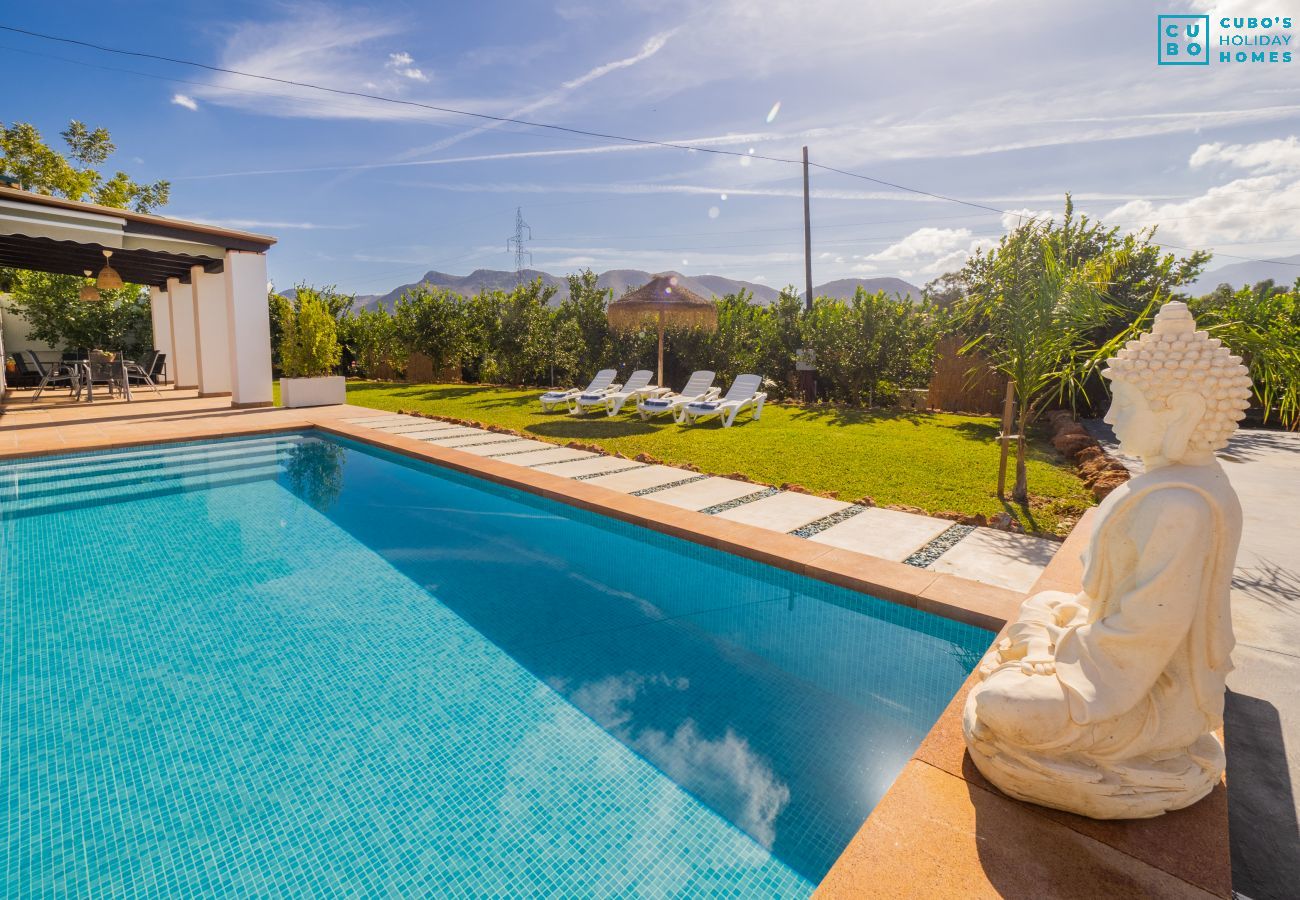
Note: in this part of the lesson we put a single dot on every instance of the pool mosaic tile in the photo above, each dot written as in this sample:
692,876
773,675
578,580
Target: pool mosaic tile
364,676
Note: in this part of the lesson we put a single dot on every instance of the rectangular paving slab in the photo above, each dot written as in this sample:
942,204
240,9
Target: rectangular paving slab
580,467
508,446
998,557
424,427
883,533
642,478
702,494
375,421
468,440
552,454
785,511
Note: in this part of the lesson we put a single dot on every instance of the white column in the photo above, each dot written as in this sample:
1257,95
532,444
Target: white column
186,362
160,305
250,329
212,332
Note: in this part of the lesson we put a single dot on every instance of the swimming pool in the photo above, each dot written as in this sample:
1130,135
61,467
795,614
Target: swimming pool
301,665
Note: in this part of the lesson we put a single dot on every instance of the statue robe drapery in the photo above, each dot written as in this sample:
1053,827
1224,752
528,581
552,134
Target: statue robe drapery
1142,653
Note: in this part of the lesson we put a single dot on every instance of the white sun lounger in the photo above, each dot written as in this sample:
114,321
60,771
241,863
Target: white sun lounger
602,384
744,393
638,386
698,387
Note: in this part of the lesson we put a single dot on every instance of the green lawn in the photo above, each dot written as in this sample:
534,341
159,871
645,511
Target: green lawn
934,461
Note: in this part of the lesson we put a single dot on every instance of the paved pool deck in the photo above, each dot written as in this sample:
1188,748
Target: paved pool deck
1262,716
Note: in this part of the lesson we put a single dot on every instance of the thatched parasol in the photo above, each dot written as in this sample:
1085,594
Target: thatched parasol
662,299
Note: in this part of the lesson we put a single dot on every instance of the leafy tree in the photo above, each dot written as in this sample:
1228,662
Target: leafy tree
74,174
431,322
309,345
581,333
372,336
1262,325
119,320
870,347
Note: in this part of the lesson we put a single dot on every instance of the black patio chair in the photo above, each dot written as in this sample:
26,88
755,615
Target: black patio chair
23,375
56,373
143,372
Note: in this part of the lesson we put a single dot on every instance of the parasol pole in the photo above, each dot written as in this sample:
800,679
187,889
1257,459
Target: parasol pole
660,382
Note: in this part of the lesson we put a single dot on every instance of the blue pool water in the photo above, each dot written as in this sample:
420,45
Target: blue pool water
299,666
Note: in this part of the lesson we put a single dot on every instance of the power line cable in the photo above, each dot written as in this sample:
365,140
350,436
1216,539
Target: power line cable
542,125
140,54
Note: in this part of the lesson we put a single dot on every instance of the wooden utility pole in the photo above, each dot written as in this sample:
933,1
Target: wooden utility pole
807,236
1008,408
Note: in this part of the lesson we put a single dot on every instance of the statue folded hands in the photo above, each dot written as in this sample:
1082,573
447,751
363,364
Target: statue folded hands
1105,702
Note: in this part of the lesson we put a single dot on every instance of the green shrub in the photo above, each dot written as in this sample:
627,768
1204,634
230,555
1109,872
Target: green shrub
309,343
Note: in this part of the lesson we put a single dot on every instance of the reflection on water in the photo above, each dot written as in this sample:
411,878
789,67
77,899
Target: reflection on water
787,705
314,469
724,769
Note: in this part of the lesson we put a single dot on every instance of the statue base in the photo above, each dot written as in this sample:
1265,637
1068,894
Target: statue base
1138,788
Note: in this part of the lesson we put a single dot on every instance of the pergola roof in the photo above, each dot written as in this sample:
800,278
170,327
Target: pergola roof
50,234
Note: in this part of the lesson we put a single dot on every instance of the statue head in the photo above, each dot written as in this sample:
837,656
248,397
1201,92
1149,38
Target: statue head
1177,392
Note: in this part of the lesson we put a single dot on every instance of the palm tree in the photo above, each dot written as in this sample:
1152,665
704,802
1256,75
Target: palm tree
1030,316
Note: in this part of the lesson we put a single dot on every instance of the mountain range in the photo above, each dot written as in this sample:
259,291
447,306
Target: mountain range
620,281
1284,270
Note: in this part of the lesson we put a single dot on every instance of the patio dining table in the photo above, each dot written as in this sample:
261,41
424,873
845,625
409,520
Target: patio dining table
84,374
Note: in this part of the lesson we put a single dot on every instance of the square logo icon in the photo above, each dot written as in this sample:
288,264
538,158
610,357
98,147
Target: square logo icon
1183,40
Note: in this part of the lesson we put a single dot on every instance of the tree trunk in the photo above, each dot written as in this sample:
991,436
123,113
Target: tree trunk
1020,493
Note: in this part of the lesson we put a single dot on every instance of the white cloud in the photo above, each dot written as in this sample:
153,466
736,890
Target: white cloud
277,224
1278,155
315,44
401,63
652,46
926,251
1259,207
185,101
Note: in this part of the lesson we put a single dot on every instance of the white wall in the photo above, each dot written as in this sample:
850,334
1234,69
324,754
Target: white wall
185,364
212,332
250,329
160,308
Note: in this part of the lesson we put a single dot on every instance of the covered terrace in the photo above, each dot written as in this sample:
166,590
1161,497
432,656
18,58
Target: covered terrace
207,285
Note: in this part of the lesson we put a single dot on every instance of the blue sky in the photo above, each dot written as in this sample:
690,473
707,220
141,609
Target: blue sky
1009,104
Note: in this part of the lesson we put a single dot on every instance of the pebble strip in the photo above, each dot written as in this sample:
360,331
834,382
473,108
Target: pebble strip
739,501
671,484
497,440
610,472
825,522
939,546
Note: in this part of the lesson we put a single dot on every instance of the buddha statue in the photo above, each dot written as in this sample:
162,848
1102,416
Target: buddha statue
1106,702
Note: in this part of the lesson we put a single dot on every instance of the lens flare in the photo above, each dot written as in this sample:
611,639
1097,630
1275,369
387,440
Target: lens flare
776,108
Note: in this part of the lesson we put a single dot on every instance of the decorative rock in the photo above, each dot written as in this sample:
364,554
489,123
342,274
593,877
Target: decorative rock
1070,444
1103,485
1105,702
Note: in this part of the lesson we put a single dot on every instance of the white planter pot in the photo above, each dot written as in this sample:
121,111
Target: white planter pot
328,390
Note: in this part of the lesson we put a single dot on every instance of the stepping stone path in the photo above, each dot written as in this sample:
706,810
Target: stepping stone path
994,557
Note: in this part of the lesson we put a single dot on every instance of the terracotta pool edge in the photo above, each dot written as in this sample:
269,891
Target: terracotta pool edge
943,830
